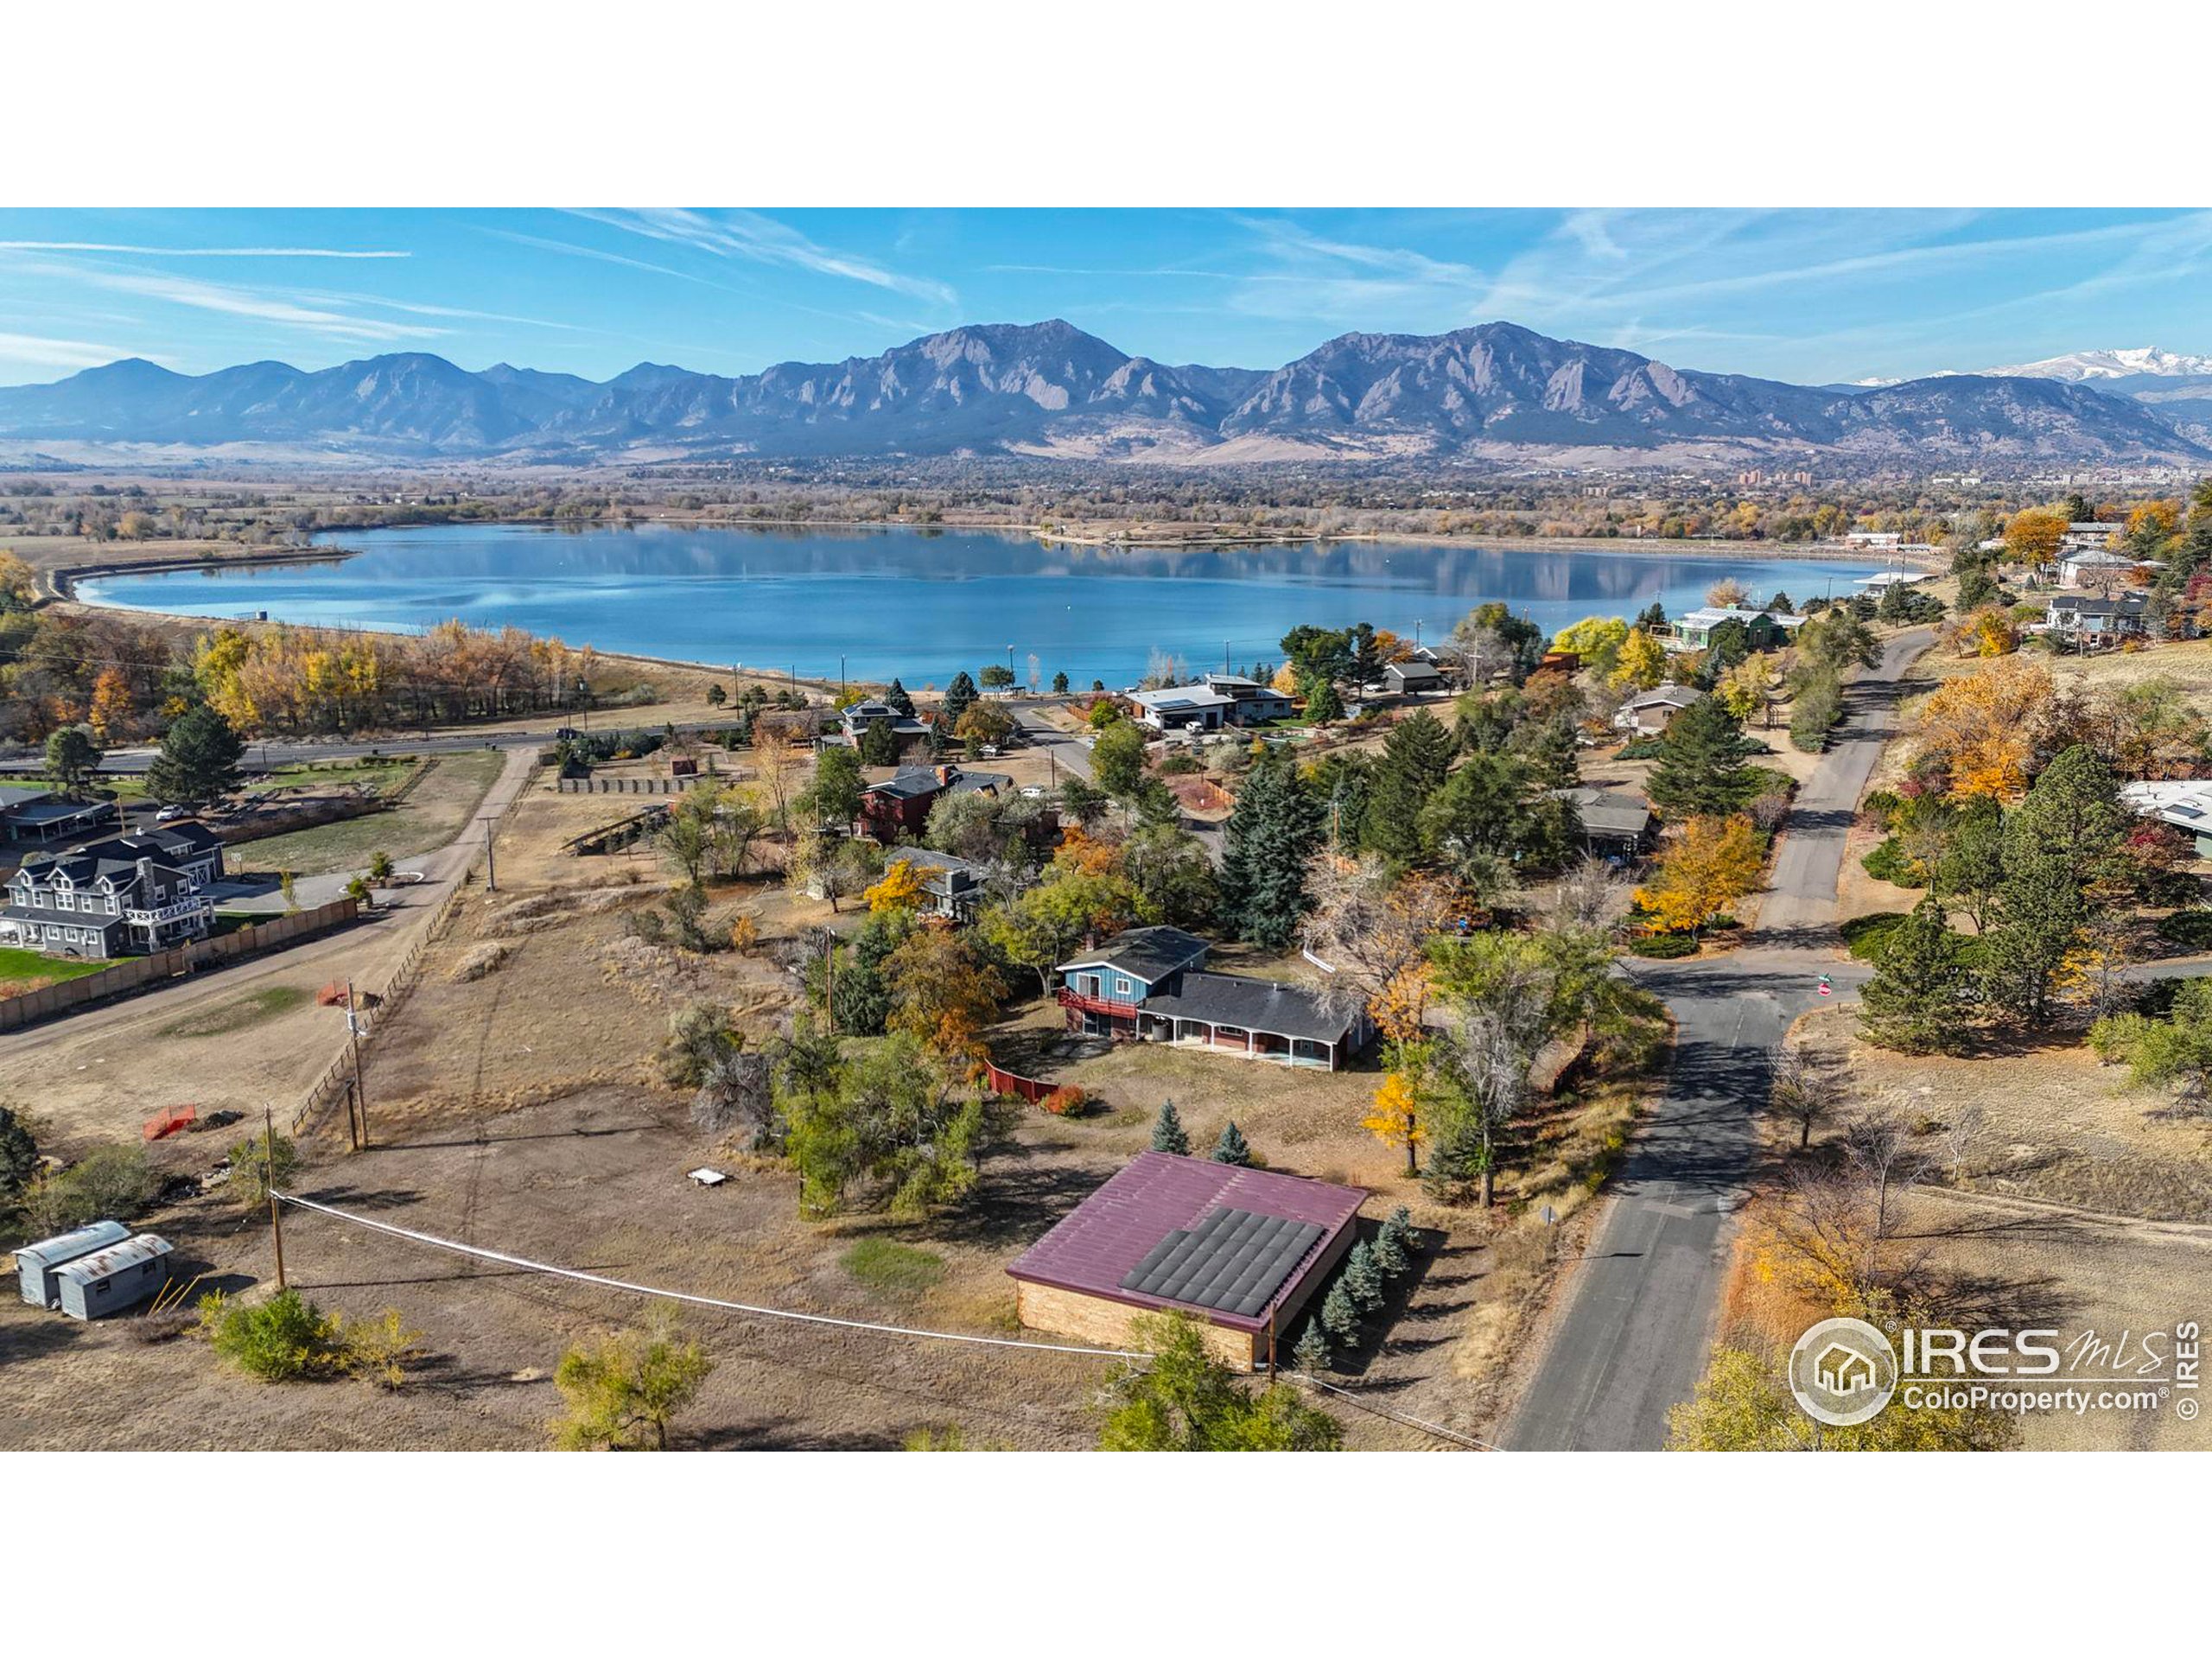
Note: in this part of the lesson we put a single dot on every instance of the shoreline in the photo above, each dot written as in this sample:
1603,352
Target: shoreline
61,582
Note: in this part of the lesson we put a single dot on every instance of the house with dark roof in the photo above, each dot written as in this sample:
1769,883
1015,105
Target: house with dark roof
951,887
1150,985
1648,713
2094,618
40,817
1210,702
860,718
139,892
1615,824
1242,1251
1409,678
898,803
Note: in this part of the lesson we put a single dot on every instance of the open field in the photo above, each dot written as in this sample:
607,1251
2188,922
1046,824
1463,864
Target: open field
430,816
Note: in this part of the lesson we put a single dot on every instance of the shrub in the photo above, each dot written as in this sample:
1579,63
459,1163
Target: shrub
109,1183
1066,1100
1641,748
280,1340
1891,862
1663,946
1865,936
1880,809
254,1170
2190,928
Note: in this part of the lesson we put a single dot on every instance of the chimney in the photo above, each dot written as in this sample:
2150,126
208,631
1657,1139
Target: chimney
946,775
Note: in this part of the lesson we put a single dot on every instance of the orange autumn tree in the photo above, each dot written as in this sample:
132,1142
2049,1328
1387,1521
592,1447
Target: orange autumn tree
1714,862
2034,537
943,992
1979,729
111,713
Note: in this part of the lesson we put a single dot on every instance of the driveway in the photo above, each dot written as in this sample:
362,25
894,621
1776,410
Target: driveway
1631,1338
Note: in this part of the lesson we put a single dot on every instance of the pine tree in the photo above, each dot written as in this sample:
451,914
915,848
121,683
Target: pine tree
1323,705
1274,829
199,760
2038,923
1415,757
1311,1353
1920,990
1231,1147
2073,812
1391,1245
1340,1313
1361,1278
1700,769
898,698
957,696
1167,1134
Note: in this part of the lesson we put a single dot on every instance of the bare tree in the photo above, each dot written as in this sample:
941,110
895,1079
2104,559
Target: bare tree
1804,1089
736,1091
1591,895
1372,935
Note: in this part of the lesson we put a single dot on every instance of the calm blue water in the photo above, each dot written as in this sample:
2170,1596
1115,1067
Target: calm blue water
923,604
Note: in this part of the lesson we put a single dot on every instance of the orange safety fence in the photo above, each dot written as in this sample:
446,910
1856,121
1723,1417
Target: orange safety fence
163,1124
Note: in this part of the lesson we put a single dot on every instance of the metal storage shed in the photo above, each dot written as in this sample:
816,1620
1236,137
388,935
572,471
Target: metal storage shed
112,1280
35,1264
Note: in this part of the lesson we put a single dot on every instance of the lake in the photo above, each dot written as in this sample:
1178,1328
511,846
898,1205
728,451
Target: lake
923,604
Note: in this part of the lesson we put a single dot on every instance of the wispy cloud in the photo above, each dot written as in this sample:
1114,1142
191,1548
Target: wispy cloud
262,305
579,250
209,253
737,233
48,352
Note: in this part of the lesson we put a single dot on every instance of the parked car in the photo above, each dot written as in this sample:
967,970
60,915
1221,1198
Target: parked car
171,814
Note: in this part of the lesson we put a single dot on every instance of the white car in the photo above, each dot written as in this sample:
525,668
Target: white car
1032,792
171,814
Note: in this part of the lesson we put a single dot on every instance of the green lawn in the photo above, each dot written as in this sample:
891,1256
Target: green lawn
886,1266
427,819
239,1013
27,968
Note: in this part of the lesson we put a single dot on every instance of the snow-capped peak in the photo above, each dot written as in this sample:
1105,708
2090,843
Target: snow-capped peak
2109,365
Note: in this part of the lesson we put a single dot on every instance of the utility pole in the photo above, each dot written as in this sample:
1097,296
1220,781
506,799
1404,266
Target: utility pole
491,860
276,1210
353,1037
830,979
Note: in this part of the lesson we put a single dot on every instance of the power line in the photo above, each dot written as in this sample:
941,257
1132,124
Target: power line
1436,1429
605,1282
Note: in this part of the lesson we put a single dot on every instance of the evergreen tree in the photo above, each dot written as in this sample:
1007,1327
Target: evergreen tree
1311,1353
1416,756
957,696
2037,922
18,1159
880,745
71,758
1700,769
199,760
898,698
1231,1148
1393,1244
1340,1313
1167,1132
1322,704
1361,1278
1274,829
1060,684
1920,988
1970,870
2073,813
1652,619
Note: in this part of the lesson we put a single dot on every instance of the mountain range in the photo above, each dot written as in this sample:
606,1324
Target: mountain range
2177,386
1495,392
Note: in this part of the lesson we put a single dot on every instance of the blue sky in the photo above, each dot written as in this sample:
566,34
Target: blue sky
1811,295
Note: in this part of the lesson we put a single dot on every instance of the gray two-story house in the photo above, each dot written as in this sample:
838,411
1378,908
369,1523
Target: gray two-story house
128,893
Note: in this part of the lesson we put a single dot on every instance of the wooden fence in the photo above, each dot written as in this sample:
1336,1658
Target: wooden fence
138,972
642,785
1003,1082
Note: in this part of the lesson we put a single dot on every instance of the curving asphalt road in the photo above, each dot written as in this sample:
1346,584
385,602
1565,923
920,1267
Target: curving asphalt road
1632,1337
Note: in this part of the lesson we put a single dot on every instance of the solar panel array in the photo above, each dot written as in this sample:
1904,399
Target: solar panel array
1232,1261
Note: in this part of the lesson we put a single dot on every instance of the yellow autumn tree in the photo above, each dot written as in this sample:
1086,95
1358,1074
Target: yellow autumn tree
1980,727
2034,537
1714,862
1396,1119
1397,1007
2163,517
1742,690
1641,662
111,712
900,888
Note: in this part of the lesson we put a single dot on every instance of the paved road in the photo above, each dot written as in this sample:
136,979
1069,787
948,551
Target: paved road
1633,1336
